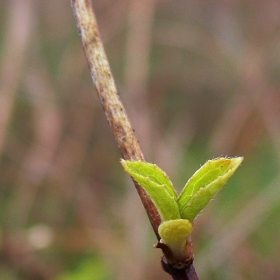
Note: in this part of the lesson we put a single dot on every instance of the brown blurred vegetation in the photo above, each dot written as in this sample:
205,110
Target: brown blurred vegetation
199,79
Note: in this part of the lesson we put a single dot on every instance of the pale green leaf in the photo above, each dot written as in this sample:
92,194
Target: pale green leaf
204,185
153,172
157,185
174,234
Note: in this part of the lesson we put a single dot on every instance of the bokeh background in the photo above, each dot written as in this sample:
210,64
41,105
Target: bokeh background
199,79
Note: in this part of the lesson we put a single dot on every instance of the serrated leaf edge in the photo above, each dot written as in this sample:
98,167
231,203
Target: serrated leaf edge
191,203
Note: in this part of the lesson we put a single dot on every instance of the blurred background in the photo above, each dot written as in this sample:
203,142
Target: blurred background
199,79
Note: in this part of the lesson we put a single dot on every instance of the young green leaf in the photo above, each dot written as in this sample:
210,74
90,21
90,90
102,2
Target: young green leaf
204,185
174,234
157,185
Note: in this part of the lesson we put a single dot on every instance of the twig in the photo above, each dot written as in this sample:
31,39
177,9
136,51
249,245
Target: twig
108,95
180,274
114,110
